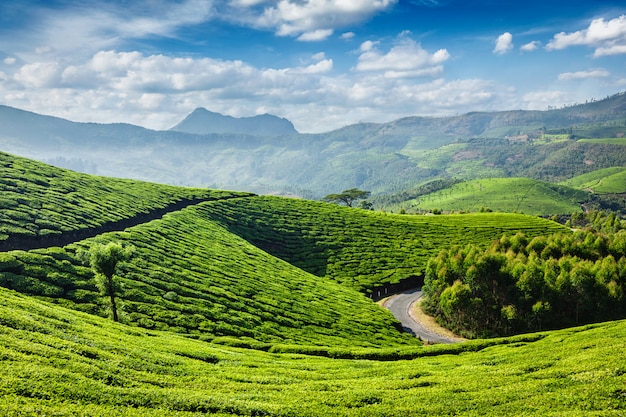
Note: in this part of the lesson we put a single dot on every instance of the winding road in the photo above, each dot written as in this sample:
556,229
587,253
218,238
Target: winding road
401,305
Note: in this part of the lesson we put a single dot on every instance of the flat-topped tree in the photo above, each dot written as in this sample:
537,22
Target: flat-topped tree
348,197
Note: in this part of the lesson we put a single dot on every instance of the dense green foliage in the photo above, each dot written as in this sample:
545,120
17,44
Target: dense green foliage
502,194
348,197
105,261
599,221
358,248
40,200
522,284
65,363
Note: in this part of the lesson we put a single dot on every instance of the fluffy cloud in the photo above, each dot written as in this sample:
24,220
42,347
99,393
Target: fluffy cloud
597,73
157,91
312,19
530,46
406,59
504,44
608,37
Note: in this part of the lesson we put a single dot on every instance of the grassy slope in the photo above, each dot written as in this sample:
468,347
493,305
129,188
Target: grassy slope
503,194
611,141
190,275
359,248
38,199
602,181
66,363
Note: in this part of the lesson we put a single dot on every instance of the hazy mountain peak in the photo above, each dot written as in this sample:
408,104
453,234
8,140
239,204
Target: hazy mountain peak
202,121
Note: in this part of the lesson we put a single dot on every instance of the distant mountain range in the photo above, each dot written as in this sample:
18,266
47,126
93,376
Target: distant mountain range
266,154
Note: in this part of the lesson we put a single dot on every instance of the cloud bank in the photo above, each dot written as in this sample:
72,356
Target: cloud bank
607,37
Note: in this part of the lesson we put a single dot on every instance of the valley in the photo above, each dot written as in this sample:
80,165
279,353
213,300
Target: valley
236,303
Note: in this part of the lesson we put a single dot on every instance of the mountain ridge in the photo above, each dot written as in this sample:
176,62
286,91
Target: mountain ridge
202,122
381,157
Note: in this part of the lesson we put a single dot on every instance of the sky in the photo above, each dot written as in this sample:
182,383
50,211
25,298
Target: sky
322,64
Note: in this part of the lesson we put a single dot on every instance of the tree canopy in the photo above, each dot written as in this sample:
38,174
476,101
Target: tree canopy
104,260
348,197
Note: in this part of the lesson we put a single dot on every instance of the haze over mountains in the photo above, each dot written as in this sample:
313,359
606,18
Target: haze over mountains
266,154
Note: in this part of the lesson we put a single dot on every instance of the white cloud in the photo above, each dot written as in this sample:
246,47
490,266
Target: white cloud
39,74
530,46
608,37
305,18
9,60
347,35
158,91
316,35
543,99
82,29
610,50
597,73
504,44
406,59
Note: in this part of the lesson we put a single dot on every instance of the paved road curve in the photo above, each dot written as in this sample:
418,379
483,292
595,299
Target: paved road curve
401,304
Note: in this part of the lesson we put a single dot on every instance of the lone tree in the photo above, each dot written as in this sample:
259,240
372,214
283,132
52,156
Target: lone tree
104,261
348,197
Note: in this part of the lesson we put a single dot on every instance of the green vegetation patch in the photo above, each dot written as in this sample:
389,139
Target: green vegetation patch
358,248
520,285
610,141
603,181
40,200
503,194
189,275
64,363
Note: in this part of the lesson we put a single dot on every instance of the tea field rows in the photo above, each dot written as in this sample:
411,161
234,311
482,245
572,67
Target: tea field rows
40,200
66,363
358,248
502,194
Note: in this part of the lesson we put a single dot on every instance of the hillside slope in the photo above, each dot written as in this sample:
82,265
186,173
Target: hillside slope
359,248
38,201
65,363
236,266
503,194
190,275
603,181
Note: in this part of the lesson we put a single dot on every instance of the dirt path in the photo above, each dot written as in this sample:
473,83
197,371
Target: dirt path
403,307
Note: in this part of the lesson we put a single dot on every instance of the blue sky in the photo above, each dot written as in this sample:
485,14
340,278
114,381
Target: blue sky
322,64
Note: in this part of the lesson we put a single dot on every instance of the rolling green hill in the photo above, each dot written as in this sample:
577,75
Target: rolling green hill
358,248
502,194
66,363
39,200
276,275
264,269
603,181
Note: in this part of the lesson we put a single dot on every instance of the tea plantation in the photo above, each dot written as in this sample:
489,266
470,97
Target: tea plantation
247,305
358,248
66,363
39,200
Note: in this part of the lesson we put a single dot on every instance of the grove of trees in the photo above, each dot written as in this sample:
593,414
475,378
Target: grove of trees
521,284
